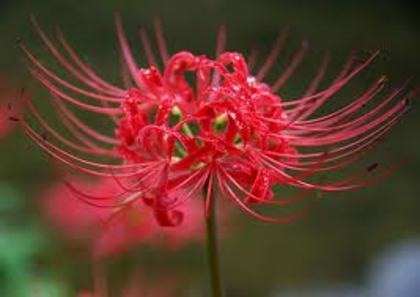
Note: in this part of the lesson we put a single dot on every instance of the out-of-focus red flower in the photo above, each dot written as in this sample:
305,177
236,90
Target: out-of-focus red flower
4,123
190,122
75,219
111,231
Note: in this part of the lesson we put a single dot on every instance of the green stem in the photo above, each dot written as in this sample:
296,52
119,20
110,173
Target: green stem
213,251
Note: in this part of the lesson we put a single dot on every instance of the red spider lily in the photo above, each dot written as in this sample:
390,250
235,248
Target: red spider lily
110,231
223,129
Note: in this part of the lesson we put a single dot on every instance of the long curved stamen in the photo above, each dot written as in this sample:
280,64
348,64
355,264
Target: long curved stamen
85,68
66,64
126,52
273,55
163,49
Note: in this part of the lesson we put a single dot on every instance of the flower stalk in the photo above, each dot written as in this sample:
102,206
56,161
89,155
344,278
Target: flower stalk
213,255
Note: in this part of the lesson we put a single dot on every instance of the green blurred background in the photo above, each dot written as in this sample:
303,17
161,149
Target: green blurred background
334,245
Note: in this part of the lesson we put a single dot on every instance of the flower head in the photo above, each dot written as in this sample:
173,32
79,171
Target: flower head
199,123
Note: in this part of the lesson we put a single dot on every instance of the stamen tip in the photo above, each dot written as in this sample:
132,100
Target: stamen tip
408,102
157,22
14,119
372,167
305,43
383,79
44,135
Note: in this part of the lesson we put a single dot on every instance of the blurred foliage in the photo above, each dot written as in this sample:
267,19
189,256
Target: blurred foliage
334,244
